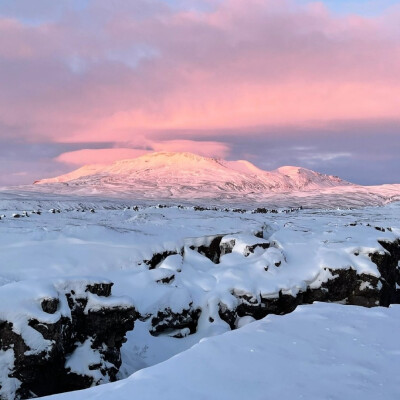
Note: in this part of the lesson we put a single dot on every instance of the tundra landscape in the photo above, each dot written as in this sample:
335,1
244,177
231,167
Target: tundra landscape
199,199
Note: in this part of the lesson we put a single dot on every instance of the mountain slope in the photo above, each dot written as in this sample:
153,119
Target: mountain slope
181,173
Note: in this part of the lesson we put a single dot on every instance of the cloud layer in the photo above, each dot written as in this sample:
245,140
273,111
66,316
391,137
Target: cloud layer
194,76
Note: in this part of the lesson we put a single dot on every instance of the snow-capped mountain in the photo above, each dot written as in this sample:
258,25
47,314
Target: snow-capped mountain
192,178
179,173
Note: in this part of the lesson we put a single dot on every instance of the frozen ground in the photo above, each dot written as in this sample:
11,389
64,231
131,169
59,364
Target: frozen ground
306,352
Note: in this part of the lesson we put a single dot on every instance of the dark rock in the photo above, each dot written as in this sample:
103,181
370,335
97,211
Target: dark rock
260,307
50,306
9,339
387,264
250,249
259,234
227,315
101,289
168,321
227,247
338,288
158,258
367,291
45,373
260,210
166,280
238,210
211,251
216,248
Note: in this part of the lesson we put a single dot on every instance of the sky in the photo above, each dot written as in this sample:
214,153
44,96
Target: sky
275,82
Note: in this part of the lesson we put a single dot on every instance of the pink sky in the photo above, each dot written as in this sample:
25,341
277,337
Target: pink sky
134,76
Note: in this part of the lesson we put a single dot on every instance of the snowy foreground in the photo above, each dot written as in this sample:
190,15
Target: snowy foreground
206,272
320,351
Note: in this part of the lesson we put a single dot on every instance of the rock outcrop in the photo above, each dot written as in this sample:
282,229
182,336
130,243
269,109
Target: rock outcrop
176,324
341,285
71,340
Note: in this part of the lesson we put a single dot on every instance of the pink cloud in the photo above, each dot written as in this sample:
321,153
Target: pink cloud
98,156
137,72
107,156
209,149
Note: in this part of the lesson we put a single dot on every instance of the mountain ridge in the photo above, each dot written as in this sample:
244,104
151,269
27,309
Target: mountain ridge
180,173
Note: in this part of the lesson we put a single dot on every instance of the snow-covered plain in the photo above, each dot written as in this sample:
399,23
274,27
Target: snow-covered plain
302,354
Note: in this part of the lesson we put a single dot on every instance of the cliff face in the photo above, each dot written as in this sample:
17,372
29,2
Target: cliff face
72,342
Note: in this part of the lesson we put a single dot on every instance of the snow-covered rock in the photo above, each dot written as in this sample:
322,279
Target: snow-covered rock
60,335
